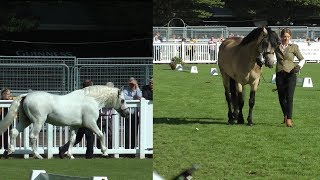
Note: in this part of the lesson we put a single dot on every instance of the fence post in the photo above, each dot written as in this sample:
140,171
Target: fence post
183,53
26,141
49,141
115,131
143,117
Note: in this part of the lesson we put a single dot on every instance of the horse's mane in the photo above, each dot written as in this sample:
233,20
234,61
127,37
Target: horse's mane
273,37
254,34
101,93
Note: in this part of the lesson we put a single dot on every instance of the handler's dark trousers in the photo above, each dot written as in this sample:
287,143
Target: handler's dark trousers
286,84
89,138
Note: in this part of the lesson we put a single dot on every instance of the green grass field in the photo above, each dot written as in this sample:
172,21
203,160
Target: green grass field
185,102
122,169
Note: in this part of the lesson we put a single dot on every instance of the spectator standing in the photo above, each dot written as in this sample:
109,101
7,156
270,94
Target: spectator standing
183,40
132,92
157,50
147,90
80,133
211,48
192,48
106,116
5,95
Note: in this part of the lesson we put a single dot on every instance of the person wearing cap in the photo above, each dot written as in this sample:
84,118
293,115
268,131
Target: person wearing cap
132,92
147,90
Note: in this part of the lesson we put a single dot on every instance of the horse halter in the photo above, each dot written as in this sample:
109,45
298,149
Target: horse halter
262,55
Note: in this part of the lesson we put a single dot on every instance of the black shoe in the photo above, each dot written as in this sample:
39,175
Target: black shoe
89,157
5,154
60,153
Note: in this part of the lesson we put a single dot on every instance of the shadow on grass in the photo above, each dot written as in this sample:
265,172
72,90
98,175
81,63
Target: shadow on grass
177,121
185,71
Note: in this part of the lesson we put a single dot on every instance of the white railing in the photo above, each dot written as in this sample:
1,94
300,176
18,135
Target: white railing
189,52
201,52
52,137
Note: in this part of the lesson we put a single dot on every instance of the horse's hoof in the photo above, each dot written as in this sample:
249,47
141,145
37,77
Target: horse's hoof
38,156
5,154
240,122
232,122
105,154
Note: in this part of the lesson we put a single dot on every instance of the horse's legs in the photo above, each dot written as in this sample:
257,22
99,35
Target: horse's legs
253,90
251,104
226,84
33,139
240,104
71,142
14,132
95,129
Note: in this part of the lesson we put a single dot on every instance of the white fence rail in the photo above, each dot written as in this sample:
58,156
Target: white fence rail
52,137
205,53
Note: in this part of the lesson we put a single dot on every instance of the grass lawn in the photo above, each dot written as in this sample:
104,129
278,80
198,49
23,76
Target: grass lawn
17,169
190,127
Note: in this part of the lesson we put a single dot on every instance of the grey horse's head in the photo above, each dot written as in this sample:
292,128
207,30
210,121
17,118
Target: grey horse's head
121,106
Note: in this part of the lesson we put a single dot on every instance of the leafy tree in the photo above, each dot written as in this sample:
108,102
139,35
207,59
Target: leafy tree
281,11
191,11
14,17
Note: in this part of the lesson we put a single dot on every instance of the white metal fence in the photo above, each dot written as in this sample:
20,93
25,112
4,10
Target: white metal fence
205,32
52,137
189,52
208,53
61,75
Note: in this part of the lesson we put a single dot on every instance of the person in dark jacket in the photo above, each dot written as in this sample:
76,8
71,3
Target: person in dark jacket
147,90
81,131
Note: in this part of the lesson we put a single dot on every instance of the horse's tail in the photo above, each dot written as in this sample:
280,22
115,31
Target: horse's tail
233,91
12,113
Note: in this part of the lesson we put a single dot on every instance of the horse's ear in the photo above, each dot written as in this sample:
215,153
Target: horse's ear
120,90
265,31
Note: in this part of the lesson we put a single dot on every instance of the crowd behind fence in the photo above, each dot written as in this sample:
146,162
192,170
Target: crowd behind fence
171,34
61,75
196,49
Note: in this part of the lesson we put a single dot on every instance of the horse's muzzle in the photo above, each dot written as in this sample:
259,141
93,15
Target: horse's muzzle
125,113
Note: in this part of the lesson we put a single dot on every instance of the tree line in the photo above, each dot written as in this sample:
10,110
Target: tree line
193,12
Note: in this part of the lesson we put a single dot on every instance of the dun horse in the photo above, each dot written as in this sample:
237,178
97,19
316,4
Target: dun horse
240,63
79,108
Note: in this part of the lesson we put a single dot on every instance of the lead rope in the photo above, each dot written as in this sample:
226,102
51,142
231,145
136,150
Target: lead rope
274,89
